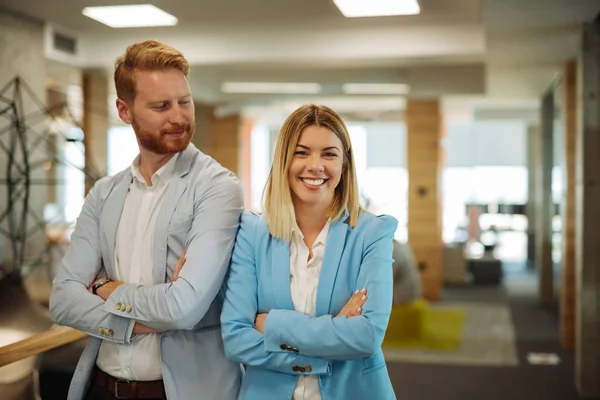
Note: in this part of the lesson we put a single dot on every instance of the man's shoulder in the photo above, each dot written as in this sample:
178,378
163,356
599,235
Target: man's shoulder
106,183
206,170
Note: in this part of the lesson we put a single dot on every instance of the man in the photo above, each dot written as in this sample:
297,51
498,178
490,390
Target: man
154,326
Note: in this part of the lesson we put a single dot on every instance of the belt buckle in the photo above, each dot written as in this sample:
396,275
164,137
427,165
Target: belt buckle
117,388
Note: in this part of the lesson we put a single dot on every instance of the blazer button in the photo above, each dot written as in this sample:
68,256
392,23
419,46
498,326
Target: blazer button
111,332
307,368
123,307
128,309
101,331
295,368
118,306
283,347
295,350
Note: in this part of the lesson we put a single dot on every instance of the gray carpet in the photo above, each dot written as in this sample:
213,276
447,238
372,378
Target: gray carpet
536,331
488,338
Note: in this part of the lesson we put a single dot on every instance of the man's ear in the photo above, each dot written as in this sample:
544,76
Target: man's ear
124,111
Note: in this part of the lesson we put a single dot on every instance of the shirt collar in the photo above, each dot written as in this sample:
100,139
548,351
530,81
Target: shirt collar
163,175
321,239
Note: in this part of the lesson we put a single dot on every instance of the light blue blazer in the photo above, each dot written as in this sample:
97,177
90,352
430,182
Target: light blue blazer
345,353
201,211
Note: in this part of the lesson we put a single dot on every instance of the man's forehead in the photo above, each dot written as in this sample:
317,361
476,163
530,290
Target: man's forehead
155,85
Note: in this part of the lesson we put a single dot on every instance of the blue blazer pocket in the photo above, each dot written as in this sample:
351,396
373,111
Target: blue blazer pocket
374,363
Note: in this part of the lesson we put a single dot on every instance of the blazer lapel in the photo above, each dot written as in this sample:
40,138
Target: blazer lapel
280,272
111,215
176,189
331,262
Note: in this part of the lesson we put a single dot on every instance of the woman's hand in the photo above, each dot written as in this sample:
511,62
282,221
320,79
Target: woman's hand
353,307
259,322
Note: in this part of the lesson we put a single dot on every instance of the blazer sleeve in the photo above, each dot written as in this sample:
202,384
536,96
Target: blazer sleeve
243,343
180,305
71,304
341,338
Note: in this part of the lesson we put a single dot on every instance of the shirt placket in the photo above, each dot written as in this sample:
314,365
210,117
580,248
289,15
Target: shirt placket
147,195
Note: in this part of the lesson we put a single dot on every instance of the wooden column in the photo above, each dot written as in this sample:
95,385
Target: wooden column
204,117
95,124
567,294
224,141
587,203
227,140
544,204
424,124
245,164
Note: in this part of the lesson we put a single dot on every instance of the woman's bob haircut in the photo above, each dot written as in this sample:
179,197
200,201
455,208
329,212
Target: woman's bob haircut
277,197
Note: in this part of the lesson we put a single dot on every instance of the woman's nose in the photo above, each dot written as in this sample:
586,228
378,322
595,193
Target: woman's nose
316,164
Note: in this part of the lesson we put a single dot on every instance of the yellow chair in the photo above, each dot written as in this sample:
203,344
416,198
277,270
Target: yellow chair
409,321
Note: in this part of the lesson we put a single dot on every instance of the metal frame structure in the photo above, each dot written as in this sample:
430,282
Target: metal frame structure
20,141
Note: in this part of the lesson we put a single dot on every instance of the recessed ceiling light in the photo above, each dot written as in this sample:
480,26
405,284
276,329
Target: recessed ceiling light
375,88
271,87
377,8
130,16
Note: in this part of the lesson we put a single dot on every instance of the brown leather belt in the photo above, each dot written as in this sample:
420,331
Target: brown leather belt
123,389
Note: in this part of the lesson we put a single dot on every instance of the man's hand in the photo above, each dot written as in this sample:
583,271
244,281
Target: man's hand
259,322
353,307
105,290
179,265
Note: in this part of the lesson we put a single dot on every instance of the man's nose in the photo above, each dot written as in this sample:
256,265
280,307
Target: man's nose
176,117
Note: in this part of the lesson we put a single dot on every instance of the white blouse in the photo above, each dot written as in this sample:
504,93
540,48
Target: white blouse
304,278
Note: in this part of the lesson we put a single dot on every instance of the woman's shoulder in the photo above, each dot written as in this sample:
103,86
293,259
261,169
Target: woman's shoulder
379,221
253,220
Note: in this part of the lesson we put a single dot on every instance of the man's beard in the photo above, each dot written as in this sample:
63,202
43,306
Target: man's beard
160,144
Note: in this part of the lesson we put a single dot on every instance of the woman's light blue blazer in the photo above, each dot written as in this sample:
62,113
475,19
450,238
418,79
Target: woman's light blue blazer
345,353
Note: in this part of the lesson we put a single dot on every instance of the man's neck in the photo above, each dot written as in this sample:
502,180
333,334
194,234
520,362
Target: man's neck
151,162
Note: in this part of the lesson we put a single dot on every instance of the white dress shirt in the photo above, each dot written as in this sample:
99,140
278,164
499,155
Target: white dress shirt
134,261
304,278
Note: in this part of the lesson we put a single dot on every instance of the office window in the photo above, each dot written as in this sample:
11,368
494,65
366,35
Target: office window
122,148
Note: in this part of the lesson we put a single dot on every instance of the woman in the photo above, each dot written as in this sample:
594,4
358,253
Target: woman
296,310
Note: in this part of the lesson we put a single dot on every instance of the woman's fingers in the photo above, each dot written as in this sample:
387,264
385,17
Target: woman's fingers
354,305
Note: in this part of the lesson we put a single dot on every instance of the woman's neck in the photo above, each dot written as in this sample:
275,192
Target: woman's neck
310,219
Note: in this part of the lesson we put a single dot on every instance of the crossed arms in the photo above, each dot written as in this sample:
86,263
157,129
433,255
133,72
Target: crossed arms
314,341
166,306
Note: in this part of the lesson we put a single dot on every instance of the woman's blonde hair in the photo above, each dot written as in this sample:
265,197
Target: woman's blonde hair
277,196
145,56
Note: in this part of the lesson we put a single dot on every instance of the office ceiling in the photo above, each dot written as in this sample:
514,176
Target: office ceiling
474,48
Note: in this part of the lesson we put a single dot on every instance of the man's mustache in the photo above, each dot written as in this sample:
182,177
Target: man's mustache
185,128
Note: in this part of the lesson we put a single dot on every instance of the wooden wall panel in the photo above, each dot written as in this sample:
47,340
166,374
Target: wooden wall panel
423,122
